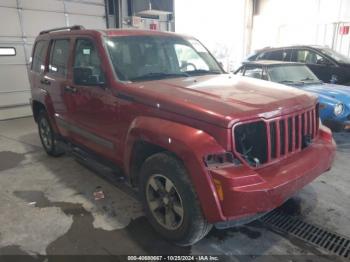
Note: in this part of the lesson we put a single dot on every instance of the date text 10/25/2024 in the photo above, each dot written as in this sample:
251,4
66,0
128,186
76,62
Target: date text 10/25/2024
173,258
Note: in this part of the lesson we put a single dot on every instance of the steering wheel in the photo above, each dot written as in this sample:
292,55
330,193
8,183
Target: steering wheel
185,66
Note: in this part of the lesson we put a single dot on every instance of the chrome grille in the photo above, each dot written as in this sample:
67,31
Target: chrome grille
260,142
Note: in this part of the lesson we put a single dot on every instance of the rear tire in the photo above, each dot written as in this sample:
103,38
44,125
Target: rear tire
47,136
170,202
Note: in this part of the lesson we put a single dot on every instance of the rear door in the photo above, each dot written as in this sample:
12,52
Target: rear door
55,80
37,69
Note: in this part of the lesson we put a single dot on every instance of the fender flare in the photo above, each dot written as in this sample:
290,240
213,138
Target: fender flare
188,144
43,97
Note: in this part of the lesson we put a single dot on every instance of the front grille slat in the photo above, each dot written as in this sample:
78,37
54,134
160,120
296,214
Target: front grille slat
300,131
278,141
286,136
269,143
294,144
262,142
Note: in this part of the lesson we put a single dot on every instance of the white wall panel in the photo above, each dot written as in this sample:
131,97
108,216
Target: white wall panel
14,99
46,5
12,25
17,74
79,8
36,21
91,22
8,3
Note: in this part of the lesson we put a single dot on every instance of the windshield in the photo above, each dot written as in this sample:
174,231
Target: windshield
140,58
292,74
335,55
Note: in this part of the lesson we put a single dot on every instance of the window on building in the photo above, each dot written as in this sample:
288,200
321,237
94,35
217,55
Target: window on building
38,60
7,51
59,57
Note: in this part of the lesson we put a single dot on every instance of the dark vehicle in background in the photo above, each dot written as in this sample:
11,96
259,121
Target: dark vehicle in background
334,100
327,64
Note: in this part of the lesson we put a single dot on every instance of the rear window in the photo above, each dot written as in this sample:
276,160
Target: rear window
38,61
59,57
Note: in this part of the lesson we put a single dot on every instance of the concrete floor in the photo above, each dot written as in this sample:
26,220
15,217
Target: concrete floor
47,207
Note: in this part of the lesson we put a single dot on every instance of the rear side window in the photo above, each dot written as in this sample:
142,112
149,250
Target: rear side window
38,62
59,57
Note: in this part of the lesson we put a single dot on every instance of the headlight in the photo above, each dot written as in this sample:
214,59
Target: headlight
338,109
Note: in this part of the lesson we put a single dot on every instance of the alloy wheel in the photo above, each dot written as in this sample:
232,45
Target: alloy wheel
164,202
45,133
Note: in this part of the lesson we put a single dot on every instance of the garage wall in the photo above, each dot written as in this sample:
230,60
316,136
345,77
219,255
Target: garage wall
289,22
22,20
219,25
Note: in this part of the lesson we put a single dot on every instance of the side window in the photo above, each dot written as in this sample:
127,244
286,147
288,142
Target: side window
263,56
193,60
87,65
308,57
38,60
59,57
287,55
254,72
276,55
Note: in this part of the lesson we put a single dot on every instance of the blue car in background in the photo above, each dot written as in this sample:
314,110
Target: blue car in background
334,100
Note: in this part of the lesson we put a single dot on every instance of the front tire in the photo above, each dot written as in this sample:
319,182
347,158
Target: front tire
170,201
47,136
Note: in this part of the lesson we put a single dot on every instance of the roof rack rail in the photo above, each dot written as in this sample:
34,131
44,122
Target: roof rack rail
70,28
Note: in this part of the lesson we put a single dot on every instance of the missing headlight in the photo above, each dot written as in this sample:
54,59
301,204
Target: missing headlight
251,142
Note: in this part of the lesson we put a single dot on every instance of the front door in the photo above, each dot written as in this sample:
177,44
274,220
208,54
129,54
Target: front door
323,68
94,108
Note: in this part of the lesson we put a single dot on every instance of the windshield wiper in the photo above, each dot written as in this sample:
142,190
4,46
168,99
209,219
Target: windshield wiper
203,72
310,80
290,82
158,75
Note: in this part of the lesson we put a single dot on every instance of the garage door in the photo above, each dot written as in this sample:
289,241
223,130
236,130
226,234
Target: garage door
22,20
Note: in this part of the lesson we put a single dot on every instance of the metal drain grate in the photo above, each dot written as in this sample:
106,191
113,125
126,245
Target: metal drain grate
315,235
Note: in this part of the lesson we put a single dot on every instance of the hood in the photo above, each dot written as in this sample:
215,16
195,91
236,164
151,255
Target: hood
221,99
331,93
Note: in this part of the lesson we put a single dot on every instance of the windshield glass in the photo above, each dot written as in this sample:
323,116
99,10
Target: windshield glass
335,55
140,58
292,74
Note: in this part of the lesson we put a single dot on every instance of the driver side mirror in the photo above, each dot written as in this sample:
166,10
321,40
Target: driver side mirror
86,77
324,62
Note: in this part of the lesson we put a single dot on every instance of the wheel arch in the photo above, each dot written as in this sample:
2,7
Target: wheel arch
37,107
186,143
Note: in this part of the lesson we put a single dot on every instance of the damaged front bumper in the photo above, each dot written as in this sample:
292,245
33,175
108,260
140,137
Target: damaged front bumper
249,194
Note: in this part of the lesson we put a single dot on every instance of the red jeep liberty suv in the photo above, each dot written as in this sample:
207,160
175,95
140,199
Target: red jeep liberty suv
203,147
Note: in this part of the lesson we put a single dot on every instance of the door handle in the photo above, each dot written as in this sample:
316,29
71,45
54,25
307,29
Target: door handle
45,81
70,89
